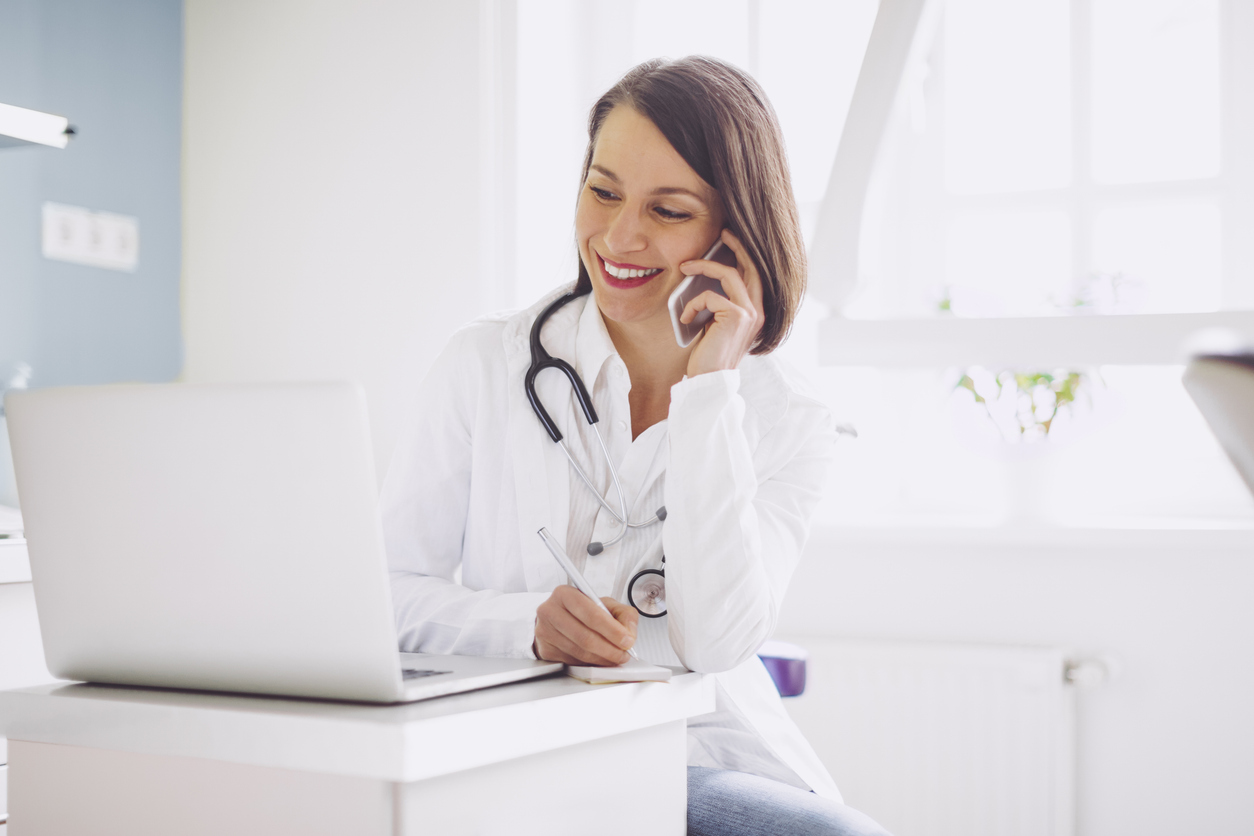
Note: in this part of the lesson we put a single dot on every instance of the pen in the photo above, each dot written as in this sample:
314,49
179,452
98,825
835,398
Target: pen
580,583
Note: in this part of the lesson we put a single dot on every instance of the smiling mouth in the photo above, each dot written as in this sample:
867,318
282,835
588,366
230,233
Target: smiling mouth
623,275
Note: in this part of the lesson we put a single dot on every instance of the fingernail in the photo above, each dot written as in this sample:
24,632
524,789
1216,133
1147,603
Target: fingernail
627,641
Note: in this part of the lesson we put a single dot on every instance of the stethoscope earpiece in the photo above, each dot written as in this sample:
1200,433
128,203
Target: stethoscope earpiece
596,548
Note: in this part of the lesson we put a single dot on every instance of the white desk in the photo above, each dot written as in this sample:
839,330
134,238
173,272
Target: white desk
549,757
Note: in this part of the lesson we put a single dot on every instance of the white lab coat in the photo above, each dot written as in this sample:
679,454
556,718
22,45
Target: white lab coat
475,476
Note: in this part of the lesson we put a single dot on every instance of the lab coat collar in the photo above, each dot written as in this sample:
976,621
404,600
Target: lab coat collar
541,481
593,346
577,332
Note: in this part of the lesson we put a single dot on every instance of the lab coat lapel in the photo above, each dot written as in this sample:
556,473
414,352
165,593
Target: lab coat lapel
541,480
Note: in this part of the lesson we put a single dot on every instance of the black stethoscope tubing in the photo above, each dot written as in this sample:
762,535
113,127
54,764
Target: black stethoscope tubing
541,360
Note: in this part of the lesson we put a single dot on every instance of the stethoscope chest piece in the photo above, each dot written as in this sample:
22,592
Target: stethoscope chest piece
647,591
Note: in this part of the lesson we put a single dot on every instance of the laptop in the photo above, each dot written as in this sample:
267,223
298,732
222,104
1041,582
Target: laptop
218,537
1222,385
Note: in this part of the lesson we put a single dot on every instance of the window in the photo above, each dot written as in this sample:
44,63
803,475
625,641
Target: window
1043,158
806,54
1049,154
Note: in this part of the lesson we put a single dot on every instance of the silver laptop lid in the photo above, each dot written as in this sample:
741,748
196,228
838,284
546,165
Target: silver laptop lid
222,537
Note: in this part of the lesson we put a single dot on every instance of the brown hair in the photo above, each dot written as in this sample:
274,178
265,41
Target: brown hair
719,120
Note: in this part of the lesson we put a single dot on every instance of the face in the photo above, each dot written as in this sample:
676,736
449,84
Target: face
642,212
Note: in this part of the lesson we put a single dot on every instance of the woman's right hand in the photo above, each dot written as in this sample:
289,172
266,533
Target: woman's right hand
570,628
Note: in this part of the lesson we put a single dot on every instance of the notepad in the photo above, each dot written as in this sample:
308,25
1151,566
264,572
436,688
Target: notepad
632,671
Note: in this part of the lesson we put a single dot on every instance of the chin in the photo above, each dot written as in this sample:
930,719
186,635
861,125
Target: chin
630,306
631,301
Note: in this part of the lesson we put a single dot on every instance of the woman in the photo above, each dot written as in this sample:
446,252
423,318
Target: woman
680,155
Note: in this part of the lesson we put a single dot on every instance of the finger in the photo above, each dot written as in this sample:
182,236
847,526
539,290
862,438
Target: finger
728,277
557,627
695,306
559,648
577,639
749,272
732,282
571,619
550,635
594,618
722,308
624,614
551,653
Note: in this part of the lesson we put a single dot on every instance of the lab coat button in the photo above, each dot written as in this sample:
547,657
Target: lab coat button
618,370
622,425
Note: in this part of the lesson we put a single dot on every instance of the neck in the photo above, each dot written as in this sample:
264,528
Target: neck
655,363
649,351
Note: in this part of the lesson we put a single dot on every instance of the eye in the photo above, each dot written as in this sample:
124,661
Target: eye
603,194
671,214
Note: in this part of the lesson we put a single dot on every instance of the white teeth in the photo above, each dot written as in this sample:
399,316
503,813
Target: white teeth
625,273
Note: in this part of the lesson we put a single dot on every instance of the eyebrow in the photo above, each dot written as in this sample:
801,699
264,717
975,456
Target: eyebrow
662,190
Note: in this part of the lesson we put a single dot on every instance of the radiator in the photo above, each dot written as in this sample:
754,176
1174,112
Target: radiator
944,739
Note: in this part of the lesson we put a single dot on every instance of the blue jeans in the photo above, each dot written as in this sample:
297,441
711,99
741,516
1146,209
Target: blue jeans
726,803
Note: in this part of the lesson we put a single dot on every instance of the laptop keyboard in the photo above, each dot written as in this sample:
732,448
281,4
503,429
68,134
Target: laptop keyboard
418,673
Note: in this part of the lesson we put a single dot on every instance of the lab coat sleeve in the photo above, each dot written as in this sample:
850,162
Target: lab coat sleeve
424,509
737,517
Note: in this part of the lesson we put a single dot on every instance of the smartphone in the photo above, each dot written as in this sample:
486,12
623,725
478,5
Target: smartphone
692,287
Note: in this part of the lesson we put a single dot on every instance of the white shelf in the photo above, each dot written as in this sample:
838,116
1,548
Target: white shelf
1023,342
20,126
1200,538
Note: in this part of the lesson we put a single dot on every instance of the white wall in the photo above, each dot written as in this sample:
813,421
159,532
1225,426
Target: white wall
333,201
1165,748
21,650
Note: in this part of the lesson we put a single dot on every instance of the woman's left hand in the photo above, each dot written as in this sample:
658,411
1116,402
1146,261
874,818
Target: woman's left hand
737,319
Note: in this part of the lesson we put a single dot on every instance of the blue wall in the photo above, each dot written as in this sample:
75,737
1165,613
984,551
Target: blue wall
115,69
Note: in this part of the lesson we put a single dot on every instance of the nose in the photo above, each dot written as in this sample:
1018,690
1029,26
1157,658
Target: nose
626,232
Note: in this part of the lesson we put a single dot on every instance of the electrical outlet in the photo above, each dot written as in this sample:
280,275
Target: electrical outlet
96,239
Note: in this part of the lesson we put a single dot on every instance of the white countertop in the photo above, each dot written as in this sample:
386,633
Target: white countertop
393,742
14,563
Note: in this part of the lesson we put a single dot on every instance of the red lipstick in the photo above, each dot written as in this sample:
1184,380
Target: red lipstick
624,284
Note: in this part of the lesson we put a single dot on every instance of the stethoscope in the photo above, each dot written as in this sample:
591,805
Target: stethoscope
647,590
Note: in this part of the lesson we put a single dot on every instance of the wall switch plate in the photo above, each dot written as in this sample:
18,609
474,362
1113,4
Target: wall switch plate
96,239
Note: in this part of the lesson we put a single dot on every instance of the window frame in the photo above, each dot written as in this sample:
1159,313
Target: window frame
903,31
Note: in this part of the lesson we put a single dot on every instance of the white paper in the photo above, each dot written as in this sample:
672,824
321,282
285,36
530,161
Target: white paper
631,671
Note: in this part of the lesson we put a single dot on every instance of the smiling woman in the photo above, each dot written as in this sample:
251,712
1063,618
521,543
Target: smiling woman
642,213
723,146
714,434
